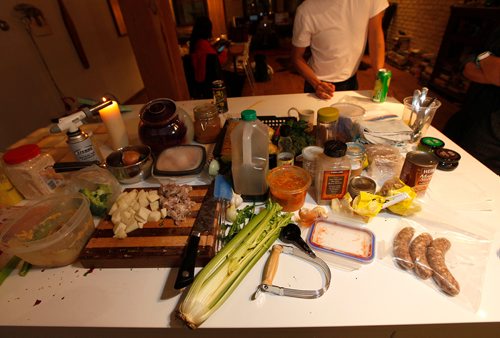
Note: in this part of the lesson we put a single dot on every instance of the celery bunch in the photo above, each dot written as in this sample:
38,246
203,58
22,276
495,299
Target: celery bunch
218,279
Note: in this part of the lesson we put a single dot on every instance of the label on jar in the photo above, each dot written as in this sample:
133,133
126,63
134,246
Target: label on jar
334,184
51,178
285,158
416,176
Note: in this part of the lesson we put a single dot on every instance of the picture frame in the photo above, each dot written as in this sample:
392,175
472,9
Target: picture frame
117,15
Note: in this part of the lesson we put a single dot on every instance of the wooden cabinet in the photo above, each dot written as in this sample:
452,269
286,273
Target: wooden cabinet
467,31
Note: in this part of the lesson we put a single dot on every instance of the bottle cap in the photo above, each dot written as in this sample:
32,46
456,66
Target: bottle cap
249,115
334,148
328,114
20,154
431,143
447,159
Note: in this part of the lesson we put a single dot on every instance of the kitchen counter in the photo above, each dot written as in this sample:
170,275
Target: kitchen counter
377,300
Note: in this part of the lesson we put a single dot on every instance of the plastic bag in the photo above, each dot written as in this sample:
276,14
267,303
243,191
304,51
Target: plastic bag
465,259
98,185
384,161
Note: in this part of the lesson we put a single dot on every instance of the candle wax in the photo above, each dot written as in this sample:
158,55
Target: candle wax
113,121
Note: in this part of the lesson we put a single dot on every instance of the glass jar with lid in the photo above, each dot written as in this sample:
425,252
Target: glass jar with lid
356,154
327,125
206,123
31,171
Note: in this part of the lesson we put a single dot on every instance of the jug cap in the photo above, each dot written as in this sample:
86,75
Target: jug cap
249,115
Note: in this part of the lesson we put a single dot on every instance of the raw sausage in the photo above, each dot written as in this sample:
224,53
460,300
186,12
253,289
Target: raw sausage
401,248
418,250
442,276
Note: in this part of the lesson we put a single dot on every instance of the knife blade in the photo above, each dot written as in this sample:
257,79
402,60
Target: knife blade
223,193
204,220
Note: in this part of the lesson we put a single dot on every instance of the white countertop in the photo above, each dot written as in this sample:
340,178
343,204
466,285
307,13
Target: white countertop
377,294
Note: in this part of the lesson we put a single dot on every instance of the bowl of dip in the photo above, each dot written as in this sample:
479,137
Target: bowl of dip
288,186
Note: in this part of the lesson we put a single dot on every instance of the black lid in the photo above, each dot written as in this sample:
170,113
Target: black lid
334,148
447,155
159,110
285,130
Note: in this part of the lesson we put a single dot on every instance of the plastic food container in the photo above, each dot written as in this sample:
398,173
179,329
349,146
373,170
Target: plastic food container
288,185
180,164
50,232
350,244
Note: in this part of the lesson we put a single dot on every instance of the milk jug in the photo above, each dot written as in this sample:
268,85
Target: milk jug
250,157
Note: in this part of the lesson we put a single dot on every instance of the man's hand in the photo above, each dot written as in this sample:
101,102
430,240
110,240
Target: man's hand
324,90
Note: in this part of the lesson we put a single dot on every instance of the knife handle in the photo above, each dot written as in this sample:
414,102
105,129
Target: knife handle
272,265
185,276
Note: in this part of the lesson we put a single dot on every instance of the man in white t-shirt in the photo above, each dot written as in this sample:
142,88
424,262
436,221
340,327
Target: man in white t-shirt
336,31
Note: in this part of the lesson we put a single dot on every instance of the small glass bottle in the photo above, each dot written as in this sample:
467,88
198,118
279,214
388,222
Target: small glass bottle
332,172
206,123
309,156
31,171
327,125
356,154
286,152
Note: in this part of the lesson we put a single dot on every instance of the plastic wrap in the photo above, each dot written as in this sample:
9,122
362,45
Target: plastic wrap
384,162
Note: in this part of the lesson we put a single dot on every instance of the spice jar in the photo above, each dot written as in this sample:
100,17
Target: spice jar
309,155
332,172
31,171
206,123
356,154
326,128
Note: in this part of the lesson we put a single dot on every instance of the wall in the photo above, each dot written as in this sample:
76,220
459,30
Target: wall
28,97
424,20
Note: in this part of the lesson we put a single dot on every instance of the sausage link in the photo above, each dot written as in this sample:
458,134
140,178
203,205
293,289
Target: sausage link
442,276
401,249
418,250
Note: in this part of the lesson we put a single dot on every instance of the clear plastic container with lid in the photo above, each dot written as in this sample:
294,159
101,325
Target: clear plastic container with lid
250,157
31,171
206,123
327,125
332,172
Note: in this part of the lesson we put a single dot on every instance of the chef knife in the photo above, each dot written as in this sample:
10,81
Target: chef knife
223,193
204,220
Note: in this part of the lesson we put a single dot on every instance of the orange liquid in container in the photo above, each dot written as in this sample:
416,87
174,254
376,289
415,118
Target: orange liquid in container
288,185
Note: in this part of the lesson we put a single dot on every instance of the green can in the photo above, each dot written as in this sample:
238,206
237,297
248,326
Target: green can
381,85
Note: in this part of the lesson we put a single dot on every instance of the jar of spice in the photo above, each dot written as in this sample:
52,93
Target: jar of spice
206,123
356,154
326,128
31,171
332,172
309,156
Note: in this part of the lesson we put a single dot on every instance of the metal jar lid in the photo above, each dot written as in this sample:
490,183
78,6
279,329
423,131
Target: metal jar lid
361,183
422,159
447,159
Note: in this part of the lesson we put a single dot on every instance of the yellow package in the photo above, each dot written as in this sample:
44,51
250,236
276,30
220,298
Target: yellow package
406,207
368,205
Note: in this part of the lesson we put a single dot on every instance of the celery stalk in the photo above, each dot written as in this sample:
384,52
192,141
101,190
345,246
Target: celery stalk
7,269
220,277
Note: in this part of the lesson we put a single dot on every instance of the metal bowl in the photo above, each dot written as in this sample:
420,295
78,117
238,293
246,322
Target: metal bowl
128,174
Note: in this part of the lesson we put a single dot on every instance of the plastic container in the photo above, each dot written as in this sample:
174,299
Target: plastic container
180,164
31,171
250,157
288,185
349,114
343,244
206,123
309,156
332,172
326,127
51,232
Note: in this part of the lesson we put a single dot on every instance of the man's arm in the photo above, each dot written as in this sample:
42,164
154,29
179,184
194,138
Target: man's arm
376,42
487,73
323,90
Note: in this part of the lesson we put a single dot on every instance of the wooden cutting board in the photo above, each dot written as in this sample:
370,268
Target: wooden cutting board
157,244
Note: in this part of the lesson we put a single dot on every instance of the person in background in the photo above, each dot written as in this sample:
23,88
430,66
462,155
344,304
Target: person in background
476,127
336,32
200,47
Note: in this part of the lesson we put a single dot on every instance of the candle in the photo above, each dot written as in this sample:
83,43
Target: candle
113,121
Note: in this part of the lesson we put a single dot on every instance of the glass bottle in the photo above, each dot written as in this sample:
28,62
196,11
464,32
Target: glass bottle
356,154
286,151
250,157
206,123
327,125
332,172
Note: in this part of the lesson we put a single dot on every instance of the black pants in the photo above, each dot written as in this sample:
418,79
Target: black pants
349,84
